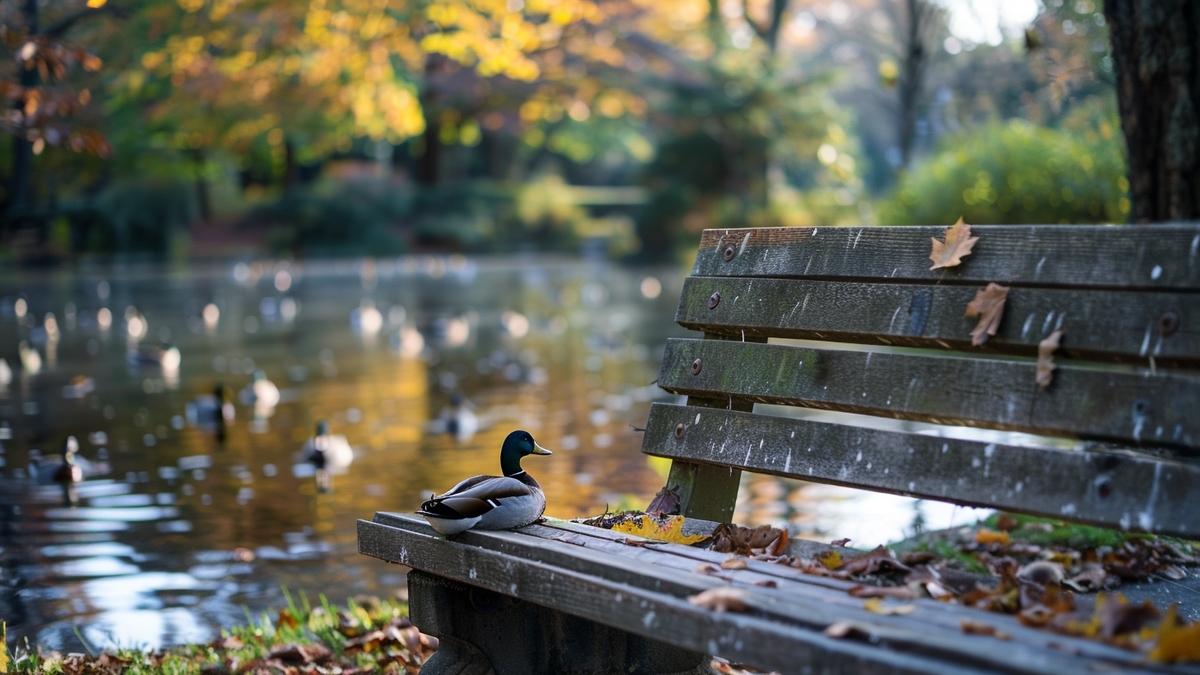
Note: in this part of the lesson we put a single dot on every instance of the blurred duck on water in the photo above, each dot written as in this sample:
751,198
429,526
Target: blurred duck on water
31,360
261,392
492,502
166,356
67,473
328,453
211,412
457,419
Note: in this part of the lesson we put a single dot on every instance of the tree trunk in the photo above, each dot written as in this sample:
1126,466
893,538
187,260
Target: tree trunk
1156,56
21,180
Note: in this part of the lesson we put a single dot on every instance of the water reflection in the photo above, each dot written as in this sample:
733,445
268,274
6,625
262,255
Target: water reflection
196,392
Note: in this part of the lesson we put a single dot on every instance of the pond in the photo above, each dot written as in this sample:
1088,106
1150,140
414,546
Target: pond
180,528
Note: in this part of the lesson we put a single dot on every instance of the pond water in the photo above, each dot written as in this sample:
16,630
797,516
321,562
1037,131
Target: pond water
178,530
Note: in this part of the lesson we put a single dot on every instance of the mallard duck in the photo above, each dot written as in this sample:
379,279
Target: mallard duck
458,419
328,451
211,412
166,356
261,392
31,360
492,502
68,472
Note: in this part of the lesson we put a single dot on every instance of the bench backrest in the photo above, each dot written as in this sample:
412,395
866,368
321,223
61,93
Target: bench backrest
1113,440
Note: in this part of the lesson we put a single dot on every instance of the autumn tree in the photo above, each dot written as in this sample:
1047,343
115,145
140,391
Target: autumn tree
43,105
1155,47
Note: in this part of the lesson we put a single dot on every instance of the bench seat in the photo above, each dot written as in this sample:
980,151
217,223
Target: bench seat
606,577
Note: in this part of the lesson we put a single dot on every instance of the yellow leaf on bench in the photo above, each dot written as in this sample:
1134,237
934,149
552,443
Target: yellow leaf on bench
669,530
1176,643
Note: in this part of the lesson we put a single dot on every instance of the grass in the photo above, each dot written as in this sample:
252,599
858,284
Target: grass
365,636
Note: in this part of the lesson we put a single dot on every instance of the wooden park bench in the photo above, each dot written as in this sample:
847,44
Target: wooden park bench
876,333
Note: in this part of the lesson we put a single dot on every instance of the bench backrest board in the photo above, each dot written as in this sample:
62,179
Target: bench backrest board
1113,440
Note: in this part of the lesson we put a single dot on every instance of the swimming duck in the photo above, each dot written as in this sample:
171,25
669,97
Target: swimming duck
67,473
31,360
458,419
166,356
211,412
261,392
328,451
492,502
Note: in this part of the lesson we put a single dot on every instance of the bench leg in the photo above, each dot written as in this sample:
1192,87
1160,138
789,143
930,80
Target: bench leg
486,633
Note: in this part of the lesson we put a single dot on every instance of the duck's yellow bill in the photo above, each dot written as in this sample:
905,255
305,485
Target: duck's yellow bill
539,450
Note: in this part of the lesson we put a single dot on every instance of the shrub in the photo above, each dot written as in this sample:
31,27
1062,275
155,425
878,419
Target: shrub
1015,172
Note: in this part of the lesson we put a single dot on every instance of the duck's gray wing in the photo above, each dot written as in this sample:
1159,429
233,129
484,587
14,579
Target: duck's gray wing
475,496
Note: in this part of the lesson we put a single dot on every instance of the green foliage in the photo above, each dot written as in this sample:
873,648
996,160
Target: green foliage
1014,172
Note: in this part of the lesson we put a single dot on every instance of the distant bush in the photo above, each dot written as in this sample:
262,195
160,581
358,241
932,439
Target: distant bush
339,218
1015,172
143,216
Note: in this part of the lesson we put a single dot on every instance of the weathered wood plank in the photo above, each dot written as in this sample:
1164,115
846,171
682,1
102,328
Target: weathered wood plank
1109,405
652,580
751,639
1106,488
795,589
1101,324
1161,256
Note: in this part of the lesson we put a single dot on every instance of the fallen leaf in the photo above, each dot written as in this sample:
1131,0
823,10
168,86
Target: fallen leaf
722,599
977,628
764,539
766,583
665,503
840,542
1045,362
734,564
1176,643
878,559
895,592
830,559
985,536
1007,523
958,244
988,305
838,630
669,530
876,606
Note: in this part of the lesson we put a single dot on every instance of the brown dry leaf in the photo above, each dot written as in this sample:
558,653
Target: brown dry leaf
665,503
734,564
877,559
958,244
722,599
977,628
1176,643
988,305
895,592
1045,362
876,606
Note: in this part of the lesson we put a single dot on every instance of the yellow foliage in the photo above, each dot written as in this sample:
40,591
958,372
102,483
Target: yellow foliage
669,530
1176,643
3,647
830,559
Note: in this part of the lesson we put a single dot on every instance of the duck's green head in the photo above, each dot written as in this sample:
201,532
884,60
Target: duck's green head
258,376
322,428
518,445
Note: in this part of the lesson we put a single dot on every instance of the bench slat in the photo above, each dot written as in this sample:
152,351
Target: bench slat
761,642
1126,407
1160,256
1106,488
643,592
1103,325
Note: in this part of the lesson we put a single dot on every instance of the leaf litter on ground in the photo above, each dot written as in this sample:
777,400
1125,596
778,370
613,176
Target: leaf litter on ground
369,635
